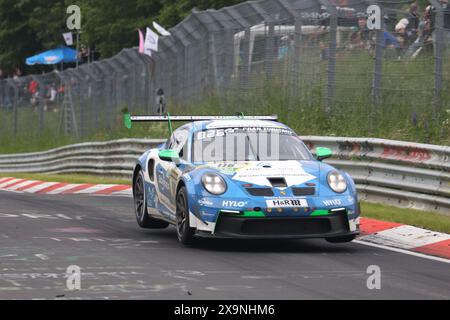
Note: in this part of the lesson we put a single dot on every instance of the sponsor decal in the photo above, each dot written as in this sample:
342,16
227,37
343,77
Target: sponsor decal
205,202
242,124
230,203
287,203
332,202
292,171
163,184
214,133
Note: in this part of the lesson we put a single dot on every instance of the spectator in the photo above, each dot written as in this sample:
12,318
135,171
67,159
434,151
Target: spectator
33,87
50,97
413,17
84,54
405,35
17,73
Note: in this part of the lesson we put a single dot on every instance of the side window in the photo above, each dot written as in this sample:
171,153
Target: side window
170,142
180,142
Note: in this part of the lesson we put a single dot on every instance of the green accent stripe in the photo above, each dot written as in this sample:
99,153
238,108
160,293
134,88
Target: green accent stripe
248,214
320,213
254,214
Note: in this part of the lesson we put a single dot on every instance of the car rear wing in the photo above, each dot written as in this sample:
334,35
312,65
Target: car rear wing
129,119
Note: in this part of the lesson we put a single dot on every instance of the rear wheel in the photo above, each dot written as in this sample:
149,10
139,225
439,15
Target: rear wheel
140,207
342,239
184,232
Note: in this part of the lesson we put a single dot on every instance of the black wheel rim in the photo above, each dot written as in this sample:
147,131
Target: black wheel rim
139,197
181,215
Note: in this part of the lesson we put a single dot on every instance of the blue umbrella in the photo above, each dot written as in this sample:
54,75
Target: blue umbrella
54,56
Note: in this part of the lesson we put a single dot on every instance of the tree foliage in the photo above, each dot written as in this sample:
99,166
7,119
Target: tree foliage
28,27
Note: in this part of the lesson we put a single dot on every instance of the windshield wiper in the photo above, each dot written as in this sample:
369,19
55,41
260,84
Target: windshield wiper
251,146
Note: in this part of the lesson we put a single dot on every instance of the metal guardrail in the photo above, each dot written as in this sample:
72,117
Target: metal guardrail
398,173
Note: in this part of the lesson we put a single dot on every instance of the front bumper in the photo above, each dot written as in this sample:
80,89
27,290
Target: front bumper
333,225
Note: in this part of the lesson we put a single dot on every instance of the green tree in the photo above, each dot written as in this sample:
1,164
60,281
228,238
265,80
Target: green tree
28,27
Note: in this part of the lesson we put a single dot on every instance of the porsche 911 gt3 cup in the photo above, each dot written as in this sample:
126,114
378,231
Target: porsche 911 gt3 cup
242,177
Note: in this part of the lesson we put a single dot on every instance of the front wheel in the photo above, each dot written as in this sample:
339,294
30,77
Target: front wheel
341,239
140,208
184,232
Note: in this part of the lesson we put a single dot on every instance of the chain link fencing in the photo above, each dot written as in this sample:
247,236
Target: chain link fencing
306,60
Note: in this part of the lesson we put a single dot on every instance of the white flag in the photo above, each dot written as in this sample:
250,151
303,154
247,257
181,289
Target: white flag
151,42
68,38
160,29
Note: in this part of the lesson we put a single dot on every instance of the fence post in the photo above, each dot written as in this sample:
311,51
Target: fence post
269,51
377,71
41,97
331,70
244,68
14,104
295,72
438,52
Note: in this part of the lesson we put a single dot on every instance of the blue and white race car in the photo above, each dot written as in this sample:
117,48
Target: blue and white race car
242,177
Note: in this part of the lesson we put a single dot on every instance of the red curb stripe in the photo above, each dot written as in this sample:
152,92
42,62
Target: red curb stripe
112,189
77,188
51,188
6,180
31,185
14,184
440,249
370,226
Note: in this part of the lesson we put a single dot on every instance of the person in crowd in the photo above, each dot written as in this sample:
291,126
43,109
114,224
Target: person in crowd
361,37
413,17
405,34
2,75
17,73
33,90
50,96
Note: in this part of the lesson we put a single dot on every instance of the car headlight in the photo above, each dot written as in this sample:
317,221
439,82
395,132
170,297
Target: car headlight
213,183
337,182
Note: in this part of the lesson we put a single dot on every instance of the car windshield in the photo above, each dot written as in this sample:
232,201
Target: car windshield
248,144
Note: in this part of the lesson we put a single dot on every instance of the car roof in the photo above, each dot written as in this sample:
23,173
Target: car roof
238,123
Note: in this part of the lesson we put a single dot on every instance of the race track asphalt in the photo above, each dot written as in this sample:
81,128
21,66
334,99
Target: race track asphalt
42,235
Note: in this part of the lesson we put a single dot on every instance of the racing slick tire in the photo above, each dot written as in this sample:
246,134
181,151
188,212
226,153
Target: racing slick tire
140,209
342,239
184,232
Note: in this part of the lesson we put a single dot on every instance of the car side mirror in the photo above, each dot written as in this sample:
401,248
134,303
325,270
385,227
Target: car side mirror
169,155
323,153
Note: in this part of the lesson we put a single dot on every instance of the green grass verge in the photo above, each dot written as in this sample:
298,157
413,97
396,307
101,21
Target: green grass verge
422,219
68,178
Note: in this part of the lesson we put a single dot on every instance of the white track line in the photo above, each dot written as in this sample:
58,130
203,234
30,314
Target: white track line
411,253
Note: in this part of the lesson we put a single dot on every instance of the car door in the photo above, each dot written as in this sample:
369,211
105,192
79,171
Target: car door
168,173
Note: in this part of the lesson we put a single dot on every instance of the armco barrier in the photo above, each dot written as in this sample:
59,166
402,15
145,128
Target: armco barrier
398,173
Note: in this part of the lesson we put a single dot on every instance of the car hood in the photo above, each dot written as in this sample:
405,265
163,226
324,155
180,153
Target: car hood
265,173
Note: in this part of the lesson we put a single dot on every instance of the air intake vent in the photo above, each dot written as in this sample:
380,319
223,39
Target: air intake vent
260,192
308,191
278,182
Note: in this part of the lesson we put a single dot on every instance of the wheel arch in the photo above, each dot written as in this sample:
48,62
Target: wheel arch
136,171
